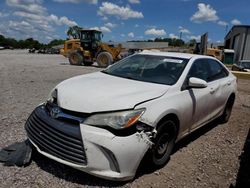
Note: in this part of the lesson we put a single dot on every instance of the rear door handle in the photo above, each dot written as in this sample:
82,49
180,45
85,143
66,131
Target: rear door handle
229,83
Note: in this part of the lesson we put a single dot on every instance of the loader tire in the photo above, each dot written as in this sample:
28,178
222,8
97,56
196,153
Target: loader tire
104,59
75,58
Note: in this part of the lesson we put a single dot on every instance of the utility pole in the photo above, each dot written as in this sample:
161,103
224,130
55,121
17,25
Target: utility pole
180,35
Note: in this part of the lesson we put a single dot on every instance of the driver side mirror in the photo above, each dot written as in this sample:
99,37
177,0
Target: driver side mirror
197,83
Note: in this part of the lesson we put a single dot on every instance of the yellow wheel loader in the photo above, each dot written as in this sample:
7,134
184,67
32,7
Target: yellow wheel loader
89,48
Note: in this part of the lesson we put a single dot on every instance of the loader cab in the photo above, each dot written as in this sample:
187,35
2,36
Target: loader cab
90,39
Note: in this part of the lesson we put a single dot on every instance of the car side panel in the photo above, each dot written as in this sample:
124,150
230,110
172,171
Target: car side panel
216,96
177,103
182,103
221,95
202,102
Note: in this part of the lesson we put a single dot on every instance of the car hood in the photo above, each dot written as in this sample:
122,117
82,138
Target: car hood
98,92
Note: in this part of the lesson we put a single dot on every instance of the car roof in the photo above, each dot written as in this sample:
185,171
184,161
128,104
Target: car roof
245,60
173,54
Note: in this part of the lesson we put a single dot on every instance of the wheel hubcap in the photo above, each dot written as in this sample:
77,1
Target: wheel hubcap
74,59
228,111
104,60
163,144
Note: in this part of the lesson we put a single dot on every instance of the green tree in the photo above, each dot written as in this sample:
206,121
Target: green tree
31,43
171,41
56,42
177,42
74,32
23,44
192,43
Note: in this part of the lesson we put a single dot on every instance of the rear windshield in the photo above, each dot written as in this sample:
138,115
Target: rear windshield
149,68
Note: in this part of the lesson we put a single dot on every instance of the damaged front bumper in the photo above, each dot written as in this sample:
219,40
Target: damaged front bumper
94,150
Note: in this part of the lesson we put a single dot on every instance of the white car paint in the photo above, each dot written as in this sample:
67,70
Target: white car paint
117,93
99,92
131,148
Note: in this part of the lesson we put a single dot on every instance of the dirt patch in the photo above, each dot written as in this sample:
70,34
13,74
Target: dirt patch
214,156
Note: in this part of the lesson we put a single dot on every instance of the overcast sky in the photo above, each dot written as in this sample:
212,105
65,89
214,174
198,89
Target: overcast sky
122,20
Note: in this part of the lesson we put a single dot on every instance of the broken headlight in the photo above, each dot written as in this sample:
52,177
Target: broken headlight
116,120
53,96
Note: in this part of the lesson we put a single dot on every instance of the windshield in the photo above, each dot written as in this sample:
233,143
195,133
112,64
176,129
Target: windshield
246,64
97,36
149,68
85,36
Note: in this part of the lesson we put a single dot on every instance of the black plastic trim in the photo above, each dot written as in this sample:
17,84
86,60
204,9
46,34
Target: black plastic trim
58,138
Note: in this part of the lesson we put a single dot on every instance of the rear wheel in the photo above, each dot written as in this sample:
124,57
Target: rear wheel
75,58
227,110
104,59
163,143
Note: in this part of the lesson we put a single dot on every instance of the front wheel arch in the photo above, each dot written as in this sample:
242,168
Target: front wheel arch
170,116
164,141
164,127
232,97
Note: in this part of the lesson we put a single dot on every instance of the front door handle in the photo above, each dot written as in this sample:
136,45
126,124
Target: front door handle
229,83
212,90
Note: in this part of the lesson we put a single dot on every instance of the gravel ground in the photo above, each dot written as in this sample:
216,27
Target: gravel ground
213,156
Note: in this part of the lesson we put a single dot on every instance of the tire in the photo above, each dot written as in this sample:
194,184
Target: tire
104,59
163,143
224,118
75,58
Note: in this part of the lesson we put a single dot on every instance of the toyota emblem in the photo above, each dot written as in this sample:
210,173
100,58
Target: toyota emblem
55,111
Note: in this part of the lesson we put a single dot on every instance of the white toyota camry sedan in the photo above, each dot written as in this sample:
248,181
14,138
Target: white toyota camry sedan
104,123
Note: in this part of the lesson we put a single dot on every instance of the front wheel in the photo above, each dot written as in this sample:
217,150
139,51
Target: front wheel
163,143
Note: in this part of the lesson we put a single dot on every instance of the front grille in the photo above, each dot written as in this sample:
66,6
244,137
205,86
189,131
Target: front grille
58,138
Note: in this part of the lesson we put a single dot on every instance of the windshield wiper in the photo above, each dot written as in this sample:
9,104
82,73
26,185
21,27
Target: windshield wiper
121,76
130,77
103,71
